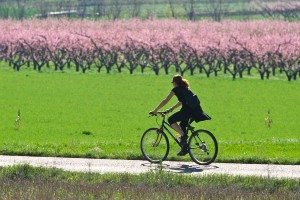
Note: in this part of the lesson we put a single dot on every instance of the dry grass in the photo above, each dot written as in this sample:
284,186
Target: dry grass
63,190
38,183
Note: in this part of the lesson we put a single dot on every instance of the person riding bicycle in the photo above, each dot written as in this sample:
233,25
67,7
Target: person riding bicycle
180,89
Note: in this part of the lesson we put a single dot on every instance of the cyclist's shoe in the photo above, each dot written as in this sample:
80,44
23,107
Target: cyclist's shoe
183,151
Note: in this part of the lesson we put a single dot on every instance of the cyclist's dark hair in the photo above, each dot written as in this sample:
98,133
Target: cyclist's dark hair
180,81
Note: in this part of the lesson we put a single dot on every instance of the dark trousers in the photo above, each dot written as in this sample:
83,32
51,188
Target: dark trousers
181,116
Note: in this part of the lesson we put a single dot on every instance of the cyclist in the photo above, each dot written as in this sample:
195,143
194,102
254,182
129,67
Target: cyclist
186,113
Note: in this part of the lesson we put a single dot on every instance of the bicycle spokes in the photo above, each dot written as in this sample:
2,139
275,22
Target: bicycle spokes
154,145
203,147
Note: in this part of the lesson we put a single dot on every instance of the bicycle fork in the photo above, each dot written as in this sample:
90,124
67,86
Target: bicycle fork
158,138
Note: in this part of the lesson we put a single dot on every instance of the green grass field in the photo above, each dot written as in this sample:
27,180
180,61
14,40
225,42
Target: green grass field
104,115
39,183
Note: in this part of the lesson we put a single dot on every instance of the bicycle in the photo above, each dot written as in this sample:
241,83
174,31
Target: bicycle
202,144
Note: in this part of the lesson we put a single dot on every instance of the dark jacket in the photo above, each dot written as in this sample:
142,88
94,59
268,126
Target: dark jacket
196,113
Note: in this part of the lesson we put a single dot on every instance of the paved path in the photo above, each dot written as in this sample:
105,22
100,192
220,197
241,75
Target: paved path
140,166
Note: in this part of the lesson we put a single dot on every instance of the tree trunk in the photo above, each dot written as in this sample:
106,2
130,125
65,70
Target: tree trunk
181,72
156,70
40,66
262,75
200,70
166,70
295,76
216,72
274,71
192,71
249,70
16,66
76,67
108,70
268,74
234,75
241,74
61,67
280,70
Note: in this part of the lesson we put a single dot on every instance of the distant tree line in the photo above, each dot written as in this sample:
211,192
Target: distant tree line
120,9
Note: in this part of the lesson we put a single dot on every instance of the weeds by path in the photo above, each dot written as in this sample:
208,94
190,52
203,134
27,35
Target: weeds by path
40,183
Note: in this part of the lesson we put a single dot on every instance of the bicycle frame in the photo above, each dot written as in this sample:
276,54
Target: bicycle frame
202,144
163,126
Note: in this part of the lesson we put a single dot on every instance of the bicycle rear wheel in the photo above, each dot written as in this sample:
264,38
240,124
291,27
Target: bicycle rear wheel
155,145
203,147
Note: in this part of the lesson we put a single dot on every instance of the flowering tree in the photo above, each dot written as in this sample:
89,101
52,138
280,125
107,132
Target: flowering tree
209,47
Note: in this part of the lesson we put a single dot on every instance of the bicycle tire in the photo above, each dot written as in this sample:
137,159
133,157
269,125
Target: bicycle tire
207,152
155,147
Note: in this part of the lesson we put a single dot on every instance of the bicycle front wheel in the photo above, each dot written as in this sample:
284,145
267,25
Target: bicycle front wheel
155,145
203,147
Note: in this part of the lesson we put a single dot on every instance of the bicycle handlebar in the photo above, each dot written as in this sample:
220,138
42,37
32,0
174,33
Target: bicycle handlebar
164,113
161,113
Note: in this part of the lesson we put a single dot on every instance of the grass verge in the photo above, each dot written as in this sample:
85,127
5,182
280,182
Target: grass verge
40,183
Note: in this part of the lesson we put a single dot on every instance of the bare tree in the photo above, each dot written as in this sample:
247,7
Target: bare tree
290,11
189,7
43,9
70,8
82,8
60,6
4,9
218,9
4,12
115,9
287,9
134,7
172,8
99,9
21,9
265,9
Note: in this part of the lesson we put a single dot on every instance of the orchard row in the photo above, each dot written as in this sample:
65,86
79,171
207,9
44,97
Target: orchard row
210,47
